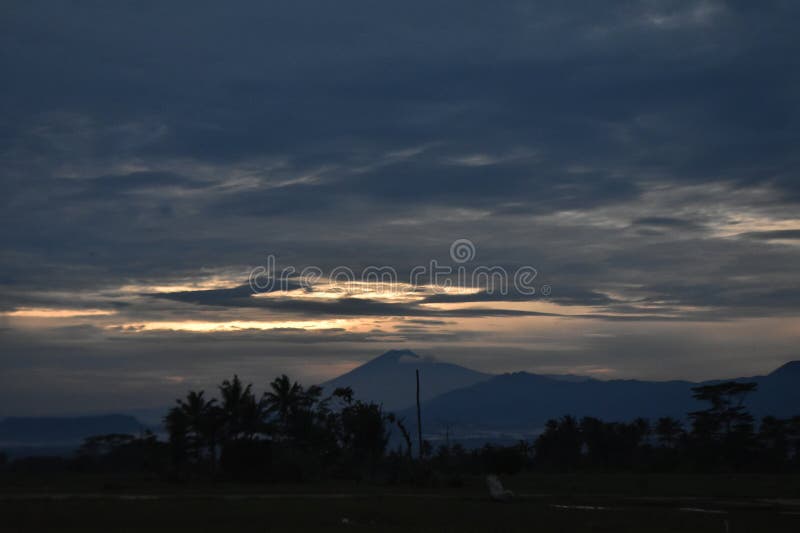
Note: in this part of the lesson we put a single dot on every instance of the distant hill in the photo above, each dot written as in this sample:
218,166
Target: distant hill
390,379
62,431
522,402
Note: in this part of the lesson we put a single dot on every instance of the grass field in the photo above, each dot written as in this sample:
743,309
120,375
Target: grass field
544,503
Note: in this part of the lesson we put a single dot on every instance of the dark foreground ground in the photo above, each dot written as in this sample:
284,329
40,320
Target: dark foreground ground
543,503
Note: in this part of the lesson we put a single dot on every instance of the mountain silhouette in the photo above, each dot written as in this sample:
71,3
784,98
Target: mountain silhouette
789,370
389,379
522,402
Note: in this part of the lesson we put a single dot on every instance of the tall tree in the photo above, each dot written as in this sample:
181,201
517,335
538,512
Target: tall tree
241,411
203,420
727,414
177,426
284,399
722,435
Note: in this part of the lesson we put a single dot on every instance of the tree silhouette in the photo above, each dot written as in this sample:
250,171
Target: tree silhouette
364,429
284,399
722,435
560,444
668,430
242,413
177,426
204,424
400,423
727,415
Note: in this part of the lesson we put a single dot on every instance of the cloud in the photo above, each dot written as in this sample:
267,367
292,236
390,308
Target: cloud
642,157
786,234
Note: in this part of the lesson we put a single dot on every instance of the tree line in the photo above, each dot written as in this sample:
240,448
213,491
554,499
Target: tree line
294,433
288,432
723,437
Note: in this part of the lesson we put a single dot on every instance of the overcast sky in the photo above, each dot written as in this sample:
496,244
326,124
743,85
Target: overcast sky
643,158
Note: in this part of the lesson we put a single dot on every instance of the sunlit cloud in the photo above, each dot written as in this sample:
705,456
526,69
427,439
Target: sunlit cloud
186,285
45,312
238,325
746,223
369,290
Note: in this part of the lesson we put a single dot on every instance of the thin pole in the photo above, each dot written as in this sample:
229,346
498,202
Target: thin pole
419,418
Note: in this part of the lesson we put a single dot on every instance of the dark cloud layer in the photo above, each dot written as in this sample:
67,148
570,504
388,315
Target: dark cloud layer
642,156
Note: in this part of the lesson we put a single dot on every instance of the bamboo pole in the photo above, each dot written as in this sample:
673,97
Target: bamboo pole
419,418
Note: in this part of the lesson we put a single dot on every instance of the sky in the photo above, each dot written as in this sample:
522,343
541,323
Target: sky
641,156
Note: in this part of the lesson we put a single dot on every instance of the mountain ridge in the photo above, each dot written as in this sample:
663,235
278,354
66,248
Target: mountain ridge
377,379
522,401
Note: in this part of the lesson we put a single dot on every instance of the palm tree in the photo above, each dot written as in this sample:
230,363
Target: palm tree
252,417
237,407
177,426
203,421
285,399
